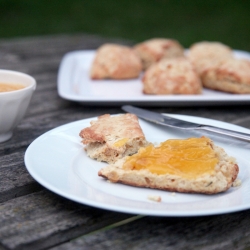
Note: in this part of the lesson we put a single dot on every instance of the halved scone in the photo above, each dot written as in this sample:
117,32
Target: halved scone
110,138
194,165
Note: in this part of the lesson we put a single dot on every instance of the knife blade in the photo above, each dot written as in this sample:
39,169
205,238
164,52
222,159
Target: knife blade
181,124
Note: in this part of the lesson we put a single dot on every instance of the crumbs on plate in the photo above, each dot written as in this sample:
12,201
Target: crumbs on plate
156,198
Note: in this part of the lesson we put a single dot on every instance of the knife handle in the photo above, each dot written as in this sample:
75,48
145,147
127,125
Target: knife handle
227,132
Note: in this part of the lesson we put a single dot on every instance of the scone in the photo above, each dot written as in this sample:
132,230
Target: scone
114,61
229,75
204,54
110,138
153,50
193,165
171,77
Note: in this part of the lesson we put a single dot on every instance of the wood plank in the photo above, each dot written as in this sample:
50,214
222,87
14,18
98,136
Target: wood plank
43,219
214,232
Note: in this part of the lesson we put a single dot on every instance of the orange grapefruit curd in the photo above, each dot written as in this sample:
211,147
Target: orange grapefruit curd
187,158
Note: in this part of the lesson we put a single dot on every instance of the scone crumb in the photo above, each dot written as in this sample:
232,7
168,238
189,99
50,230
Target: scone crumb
156,198
237,183
173,194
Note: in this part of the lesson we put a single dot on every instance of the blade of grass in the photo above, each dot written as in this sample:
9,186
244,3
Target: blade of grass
112,226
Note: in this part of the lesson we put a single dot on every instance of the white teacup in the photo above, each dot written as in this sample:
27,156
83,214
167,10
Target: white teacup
14,103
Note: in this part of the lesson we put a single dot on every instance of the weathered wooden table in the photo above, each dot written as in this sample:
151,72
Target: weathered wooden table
31,217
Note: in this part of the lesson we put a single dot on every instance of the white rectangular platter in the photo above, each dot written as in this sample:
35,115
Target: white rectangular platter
74,84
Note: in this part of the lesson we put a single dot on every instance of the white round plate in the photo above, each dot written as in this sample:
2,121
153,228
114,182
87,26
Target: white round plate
57,161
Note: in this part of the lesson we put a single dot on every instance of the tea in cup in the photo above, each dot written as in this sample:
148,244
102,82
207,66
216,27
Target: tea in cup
16,90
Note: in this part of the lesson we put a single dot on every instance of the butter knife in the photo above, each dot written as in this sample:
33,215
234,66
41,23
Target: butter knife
181,124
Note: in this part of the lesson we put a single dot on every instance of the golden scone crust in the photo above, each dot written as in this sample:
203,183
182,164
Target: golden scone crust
204,54
222,179
114,61
110,138
229,75
153,50
172,76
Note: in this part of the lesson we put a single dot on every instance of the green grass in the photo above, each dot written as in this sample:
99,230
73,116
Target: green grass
137,20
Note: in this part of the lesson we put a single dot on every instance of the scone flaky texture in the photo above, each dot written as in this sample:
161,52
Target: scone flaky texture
110,138
170,77
206,54
225,174
113,61
230,75
153,50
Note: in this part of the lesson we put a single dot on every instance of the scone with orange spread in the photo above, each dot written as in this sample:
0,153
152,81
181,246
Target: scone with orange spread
113,61
171,77
110,138
153,50
193,165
